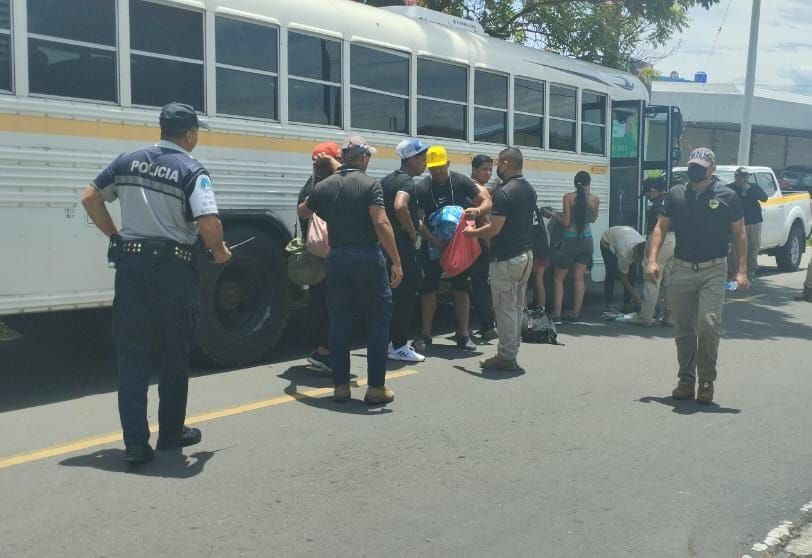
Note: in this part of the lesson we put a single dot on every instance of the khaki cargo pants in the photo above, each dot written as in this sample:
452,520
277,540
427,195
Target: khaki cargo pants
753,247
697,294
653,291
509,289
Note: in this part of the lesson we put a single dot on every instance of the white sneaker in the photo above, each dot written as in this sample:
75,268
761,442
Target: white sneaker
404,354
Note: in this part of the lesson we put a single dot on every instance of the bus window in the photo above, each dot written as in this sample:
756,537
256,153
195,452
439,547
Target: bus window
167,59
490,111
442,99
5,45
528,112
314,82
57,65
563,117
247,69
593,123
379,96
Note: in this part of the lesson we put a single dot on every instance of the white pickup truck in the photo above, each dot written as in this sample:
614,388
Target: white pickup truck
787,215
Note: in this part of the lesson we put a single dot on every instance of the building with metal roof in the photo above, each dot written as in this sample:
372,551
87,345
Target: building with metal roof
782,121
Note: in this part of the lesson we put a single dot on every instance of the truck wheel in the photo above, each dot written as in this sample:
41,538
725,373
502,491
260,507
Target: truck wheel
788,257
244,303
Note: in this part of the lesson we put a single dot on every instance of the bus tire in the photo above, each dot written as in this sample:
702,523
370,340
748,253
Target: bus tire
243,304
788,256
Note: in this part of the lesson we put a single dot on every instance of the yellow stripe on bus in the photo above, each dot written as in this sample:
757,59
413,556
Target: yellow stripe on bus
27,124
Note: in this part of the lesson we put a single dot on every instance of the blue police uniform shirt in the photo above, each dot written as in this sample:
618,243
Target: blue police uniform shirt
162,190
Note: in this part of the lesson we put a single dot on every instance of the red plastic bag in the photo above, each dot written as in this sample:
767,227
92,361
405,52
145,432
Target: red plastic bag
461,252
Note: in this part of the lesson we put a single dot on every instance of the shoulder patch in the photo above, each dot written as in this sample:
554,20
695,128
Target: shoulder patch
713,203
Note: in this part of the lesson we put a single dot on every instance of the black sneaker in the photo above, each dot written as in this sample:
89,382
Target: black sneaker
138,455
465,343
188,437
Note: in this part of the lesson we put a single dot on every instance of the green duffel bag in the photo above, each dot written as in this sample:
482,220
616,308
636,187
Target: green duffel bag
303,267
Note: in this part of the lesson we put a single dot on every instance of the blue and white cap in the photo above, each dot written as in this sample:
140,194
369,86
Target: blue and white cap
410,147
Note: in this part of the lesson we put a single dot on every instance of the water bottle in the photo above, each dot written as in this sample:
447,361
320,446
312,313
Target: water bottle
732,285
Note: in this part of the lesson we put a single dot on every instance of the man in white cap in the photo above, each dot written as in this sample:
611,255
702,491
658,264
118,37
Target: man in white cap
703,215
351,203
400,200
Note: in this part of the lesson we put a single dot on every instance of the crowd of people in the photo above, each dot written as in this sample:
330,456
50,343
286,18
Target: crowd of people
383,244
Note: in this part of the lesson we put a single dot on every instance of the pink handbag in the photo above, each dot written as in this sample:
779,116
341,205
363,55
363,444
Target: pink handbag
317,243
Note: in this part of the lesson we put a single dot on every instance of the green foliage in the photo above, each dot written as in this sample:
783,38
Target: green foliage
614,33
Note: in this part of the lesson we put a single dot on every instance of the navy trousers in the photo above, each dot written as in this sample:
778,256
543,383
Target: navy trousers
357,282
154,318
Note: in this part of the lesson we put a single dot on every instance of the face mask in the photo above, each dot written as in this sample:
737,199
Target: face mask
697,173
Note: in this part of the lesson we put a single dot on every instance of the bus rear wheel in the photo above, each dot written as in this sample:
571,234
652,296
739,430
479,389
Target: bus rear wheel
243,304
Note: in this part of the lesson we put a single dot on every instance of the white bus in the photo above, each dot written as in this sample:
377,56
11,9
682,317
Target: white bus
81,80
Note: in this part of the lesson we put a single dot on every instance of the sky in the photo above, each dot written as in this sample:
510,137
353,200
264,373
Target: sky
784,47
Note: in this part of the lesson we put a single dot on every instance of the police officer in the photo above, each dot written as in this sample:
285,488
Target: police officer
166,199
703,215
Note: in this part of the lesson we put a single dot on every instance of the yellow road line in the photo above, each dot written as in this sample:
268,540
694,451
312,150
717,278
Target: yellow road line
106,439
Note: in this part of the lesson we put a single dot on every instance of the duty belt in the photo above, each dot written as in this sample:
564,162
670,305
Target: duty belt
156,248
696,266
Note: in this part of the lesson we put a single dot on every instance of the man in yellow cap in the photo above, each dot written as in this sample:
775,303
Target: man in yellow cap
443,188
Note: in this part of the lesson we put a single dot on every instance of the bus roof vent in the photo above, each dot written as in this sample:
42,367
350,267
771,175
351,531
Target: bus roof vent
417,12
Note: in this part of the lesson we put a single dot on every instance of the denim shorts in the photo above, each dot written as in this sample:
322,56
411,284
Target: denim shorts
573,251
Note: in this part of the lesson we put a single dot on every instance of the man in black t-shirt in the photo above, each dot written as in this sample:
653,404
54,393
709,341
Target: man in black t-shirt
445,187
351,203
703,215
750,194
325,157
400,199
510,231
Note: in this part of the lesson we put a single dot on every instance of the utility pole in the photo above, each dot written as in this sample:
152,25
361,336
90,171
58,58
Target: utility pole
749,87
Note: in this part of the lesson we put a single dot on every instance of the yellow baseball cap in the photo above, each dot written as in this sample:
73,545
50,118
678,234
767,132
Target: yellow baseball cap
436,156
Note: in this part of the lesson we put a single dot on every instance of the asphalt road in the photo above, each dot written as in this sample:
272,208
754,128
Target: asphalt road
583,454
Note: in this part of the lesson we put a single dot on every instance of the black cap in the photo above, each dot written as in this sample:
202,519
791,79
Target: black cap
741,172
180,117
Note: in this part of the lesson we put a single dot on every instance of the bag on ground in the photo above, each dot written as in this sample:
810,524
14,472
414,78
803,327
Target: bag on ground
461,252
317,243
538,327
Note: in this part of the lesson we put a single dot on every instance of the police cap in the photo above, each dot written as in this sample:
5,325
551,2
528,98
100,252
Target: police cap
179,117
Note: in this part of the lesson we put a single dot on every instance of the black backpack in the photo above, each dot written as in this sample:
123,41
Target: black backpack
538,327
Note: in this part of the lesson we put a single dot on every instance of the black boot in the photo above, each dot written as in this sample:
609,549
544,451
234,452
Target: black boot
187,437
138,455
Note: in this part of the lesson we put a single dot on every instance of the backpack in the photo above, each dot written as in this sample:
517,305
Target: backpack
538,327
303,267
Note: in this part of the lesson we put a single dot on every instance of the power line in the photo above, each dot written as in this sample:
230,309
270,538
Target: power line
718,33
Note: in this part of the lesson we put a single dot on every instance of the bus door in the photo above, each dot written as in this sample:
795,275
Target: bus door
661,152
625,163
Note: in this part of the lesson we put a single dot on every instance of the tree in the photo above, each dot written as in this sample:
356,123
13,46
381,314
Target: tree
616,33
